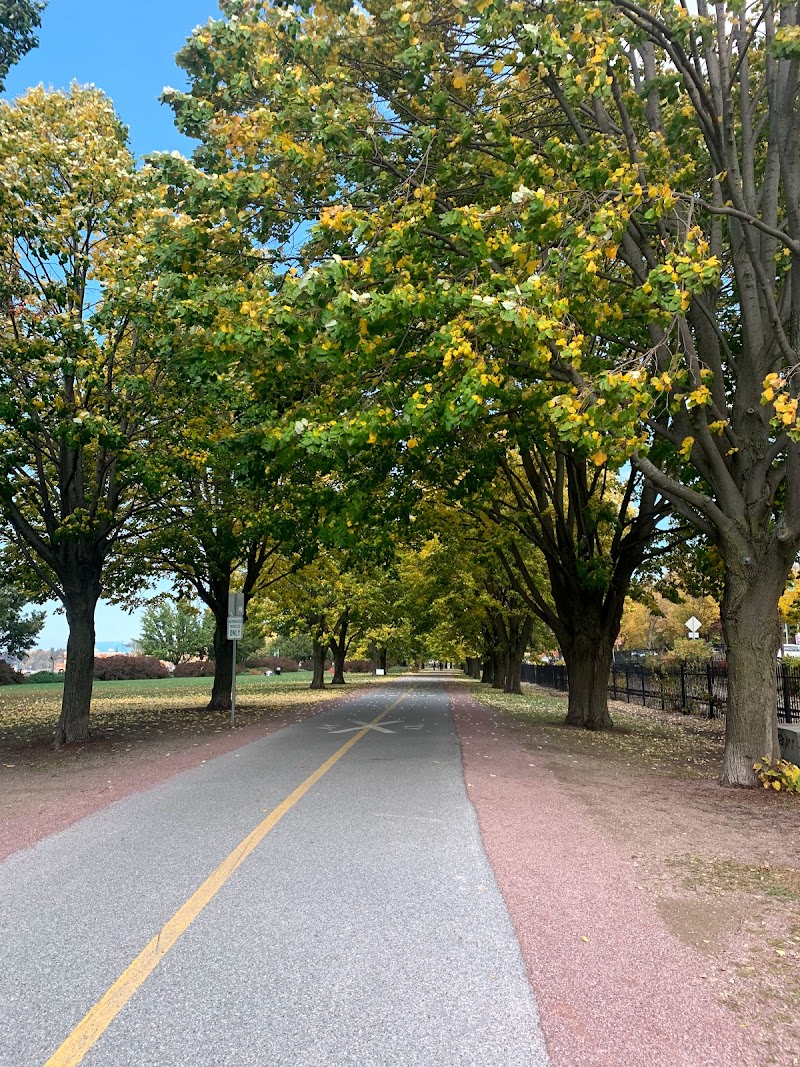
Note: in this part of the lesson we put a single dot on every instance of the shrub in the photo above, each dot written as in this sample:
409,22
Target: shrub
778,775
128,668
8,676
690,651
45,676
195,668
286,663
358,666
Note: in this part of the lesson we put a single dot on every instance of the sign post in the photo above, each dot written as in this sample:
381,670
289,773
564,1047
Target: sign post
693,625
235,629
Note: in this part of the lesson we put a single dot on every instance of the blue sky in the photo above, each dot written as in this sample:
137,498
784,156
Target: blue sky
127,49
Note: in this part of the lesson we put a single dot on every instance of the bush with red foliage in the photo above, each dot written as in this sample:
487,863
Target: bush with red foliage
128,668
358,666
8,676
195,668
269,663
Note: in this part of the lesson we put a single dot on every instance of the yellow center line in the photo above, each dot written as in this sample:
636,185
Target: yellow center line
100,1017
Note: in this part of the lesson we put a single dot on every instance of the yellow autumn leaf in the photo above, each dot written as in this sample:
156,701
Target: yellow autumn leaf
599,458
498,66
459,80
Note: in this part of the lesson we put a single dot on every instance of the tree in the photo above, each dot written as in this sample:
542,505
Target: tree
218,535
659,622
593,531
299,647
173,632
79,399
417,287
315,602
19,19
633,174
680,143
18,631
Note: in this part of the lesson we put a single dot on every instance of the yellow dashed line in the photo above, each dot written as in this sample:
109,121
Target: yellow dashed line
100,1017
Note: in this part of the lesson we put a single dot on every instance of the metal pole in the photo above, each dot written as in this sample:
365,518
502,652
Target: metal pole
233,687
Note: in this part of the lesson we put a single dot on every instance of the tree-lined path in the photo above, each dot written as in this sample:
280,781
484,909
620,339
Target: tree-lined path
365,927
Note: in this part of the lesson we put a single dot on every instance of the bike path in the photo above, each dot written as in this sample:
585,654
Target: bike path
365,929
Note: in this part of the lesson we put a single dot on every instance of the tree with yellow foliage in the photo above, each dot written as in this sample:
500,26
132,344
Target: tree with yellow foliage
80,402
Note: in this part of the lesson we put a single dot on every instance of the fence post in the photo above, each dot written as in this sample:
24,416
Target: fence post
661,688
784,668
644,691
710,685
683,686
614,679
627,686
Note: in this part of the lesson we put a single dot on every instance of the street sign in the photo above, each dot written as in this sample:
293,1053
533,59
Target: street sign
235,627
693,625
236,605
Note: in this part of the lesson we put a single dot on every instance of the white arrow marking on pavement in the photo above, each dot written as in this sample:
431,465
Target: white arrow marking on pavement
417,727
368,726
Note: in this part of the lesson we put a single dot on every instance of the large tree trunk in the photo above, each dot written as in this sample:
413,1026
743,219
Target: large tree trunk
383,660
223,664
73,723
338,665
501,668
520,631
339,646
588,656
751,629
318,664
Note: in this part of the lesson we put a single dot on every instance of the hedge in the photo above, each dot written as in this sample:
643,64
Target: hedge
286,663
195,668
45,676
8,676
128,668
358,666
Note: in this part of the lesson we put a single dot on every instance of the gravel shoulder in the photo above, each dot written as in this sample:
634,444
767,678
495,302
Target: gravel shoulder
659,915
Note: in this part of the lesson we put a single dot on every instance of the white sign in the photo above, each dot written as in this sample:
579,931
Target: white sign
379,671
693,625
235,627
236,605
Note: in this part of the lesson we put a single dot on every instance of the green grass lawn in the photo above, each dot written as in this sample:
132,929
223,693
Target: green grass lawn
649,739
29,712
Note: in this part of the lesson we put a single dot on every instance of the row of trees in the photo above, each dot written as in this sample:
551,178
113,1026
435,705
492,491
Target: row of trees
526,274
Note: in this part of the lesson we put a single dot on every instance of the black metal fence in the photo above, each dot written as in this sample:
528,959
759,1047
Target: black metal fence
700,689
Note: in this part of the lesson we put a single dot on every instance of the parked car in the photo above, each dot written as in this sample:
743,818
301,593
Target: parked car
791,650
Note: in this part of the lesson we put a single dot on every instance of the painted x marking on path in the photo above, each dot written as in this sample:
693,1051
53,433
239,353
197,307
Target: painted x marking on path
367,726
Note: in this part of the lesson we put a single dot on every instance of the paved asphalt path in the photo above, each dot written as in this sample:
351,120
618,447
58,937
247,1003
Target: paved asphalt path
365,929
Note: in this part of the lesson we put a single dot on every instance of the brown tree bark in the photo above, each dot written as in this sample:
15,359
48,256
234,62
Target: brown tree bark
339,645
751,629
520,629
588,657
223,661
318,663
73,722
